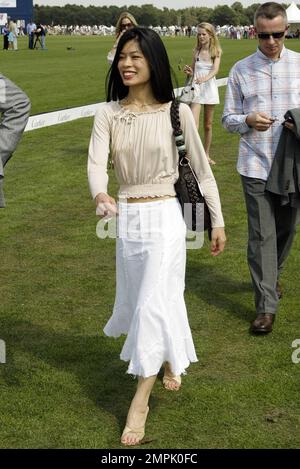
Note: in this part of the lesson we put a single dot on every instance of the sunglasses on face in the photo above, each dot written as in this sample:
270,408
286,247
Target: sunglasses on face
126,26
265,36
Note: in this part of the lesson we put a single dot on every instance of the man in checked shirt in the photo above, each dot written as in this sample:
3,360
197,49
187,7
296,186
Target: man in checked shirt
261,88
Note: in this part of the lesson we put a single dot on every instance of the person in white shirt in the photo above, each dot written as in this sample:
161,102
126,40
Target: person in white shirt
31,27
135,125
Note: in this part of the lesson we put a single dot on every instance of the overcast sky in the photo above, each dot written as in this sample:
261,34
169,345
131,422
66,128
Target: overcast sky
176,4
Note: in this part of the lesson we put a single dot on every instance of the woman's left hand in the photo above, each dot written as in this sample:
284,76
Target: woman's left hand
188,70
218,240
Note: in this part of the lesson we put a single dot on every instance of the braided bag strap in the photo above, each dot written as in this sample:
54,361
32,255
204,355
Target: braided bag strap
177,132
187,187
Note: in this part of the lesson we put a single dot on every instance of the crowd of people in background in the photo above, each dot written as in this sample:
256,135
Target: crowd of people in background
226,31
36,35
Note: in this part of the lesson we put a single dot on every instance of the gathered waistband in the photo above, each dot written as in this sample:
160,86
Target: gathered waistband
138,200
143,191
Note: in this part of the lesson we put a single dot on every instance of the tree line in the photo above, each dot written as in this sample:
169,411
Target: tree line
147,15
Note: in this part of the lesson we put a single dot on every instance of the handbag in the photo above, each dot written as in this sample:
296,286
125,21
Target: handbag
188,92
188,190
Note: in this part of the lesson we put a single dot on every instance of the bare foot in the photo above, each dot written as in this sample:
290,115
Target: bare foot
171,381
134,430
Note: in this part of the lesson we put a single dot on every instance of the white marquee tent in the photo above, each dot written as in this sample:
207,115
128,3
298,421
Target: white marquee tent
293,15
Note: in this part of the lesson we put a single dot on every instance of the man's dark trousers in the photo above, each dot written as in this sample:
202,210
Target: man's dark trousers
271,230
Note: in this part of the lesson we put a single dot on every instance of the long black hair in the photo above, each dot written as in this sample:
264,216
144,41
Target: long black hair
155,53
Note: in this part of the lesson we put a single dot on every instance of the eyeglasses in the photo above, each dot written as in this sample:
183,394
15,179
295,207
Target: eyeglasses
265,36
126,26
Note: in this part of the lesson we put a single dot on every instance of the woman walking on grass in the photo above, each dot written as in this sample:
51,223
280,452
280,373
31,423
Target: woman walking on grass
204,68
135,126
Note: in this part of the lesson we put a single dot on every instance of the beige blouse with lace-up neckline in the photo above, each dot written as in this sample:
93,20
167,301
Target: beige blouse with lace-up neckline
145,157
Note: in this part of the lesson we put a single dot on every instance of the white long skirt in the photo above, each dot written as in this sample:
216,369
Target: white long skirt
149,305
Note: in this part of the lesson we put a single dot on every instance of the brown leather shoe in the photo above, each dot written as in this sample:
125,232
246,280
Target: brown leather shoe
278,290
263,323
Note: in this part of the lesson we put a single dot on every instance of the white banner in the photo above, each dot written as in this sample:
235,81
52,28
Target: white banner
8,3
66,115
60,117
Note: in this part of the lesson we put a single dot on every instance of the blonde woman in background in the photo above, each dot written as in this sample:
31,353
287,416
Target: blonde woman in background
125,21
11,36
205,66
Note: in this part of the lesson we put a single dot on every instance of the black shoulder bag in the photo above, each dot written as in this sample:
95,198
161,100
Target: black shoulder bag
194,208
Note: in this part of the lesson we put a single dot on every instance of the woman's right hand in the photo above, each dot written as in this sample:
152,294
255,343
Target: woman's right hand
218,240
105,205
188,70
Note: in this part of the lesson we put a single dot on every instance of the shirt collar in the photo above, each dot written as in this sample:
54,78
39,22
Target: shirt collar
265,58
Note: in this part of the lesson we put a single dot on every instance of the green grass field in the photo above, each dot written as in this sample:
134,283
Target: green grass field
63,385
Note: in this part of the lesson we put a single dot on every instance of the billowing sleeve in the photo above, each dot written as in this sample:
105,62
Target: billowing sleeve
200,165
99,151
